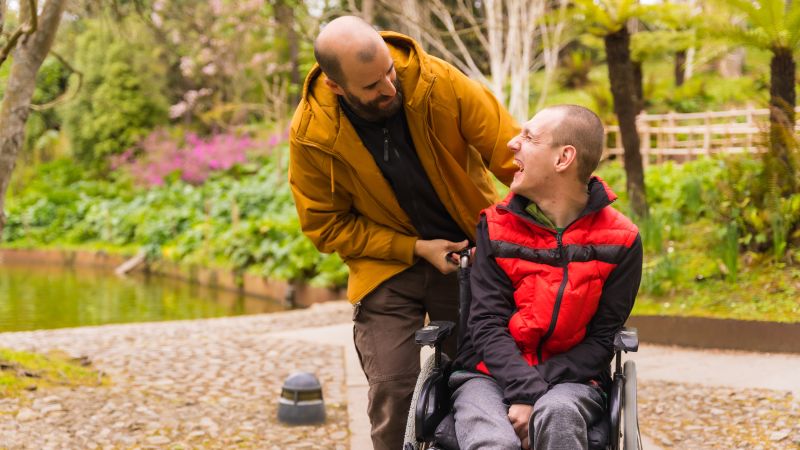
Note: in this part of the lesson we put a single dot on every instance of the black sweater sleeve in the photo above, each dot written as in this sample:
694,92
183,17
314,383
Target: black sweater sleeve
591,356
491,309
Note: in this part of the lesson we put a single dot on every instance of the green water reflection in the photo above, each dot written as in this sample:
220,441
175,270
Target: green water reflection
39,297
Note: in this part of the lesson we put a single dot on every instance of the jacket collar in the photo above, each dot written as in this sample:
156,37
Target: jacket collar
600,196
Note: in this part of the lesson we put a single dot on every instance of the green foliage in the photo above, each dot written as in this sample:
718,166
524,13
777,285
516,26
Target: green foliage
243,219
575,68
122,95
703,215
729,250
607,16
762,292
772,24
749,198
51,82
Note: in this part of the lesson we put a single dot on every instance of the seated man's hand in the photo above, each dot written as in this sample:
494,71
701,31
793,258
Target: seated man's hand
435,252
520,415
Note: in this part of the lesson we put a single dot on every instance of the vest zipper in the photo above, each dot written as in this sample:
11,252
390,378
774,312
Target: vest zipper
559,297
385,145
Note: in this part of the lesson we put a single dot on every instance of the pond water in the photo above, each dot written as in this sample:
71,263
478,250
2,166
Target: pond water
46,296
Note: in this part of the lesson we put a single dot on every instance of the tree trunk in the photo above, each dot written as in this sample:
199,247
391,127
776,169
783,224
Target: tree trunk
285,15
368,10
28,57
623,89
638,83
418,19
782,102
3,6
680,67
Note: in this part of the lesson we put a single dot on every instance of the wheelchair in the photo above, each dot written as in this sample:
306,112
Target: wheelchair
431,425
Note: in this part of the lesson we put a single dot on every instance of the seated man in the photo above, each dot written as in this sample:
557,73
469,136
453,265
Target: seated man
554,278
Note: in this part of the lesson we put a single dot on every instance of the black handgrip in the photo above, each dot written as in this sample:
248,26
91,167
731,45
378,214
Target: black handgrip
627,339
434,333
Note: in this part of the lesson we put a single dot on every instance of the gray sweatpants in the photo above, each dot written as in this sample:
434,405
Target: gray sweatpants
561,416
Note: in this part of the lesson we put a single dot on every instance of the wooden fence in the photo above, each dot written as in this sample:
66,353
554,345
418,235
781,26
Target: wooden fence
683,137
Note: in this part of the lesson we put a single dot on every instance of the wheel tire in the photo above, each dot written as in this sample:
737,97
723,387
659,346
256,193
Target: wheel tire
630,434
410,440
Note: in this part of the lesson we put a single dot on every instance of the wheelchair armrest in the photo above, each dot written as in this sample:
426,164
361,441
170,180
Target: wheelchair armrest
627,339
434,333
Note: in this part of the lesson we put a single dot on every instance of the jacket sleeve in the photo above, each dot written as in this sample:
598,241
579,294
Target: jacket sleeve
485,124
491,309
329,220
591,356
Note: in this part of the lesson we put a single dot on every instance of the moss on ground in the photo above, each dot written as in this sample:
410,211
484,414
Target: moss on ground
25,371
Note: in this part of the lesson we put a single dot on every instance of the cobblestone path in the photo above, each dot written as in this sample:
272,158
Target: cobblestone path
186,384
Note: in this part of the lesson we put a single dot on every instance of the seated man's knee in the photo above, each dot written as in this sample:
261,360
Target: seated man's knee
556,409
494,442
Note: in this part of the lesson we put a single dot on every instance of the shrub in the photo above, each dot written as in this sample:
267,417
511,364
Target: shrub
121,99
158,156
242,222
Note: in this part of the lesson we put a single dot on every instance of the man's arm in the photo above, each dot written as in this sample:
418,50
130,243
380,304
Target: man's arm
491,308
591,356
485,124
327,217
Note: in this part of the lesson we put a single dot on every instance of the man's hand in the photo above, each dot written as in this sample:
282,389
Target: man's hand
520,415
435,252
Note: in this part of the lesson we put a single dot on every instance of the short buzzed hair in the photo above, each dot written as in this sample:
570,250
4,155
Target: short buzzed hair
582,129
330,65
329,59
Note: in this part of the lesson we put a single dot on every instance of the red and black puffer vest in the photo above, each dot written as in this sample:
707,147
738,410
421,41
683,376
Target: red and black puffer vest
558,278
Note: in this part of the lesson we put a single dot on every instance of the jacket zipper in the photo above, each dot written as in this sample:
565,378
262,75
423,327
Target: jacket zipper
414,205
559,297
385,145
564,263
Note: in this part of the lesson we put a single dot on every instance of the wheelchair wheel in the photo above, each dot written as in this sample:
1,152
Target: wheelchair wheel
630,434
410,440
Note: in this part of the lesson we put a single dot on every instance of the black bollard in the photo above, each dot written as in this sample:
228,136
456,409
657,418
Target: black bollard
301,400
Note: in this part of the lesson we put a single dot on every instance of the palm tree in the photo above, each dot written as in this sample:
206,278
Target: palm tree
608,19
774,25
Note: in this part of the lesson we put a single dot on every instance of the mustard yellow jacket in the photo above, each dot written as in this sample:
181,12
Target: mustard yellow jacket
345,204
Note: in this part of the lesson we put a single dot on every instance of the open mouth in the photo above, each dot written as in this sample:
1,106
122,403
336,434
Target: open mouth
518,163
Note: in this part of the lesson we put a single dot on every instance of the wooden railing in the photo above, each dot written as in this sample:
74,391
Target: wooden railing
685,136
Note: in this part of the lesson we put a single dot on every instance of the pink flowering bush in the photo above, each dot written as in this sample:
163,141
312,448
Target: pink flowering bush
194,158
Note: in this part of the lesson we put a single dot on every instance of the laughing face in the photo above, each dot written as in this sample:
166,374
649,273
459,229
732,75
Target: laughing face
534,154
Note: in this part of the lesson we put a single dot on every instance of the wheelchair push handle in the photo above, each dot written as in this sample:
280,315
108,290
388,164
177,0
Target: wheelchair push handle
464,257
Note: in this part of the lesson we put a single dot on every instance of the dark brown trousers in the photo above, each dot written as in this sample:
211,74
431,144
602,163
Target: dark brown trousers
383,330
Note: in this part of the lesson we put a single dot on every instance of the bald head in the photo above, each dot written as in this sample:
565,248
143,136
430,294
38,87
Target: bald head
345,40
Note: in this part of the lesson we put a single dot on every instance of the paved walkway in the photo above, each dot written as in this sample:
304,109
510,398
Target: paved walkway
211,384
720,371
214,384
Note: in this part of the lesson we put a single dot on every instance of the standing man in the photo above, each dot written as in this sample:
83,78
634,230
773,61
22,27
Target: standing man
391,154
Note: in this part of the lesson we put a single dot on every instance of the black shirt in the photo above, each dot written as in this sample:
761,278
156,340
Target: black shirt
391,146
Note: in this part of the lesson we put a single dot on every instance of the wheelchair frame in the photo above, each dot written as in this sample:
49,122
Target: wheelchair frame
431,403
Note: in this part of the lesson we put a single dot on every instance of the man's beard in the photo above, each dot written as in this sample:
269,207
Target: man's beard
372,111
